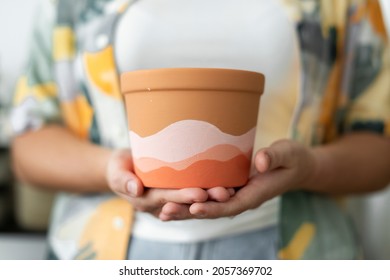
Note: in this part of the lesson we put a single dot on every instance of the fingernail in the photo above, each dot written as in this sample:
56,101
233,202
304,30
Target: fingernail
265,162
268,158
164,217
132,188
200,215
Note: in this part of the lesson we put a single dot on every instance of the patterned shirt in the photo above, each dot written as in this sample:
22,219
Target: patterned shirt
72,79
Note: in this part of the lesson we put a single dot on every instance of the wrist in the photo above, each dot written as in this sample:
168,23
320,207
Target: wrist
101,158
316,159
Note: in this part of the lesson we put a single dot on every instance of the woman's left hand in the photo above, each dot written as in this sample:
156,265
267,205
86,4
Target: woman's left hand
284,166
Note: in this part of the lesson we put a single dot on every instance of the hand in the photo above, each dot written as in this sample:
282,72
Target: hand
284,166
166,204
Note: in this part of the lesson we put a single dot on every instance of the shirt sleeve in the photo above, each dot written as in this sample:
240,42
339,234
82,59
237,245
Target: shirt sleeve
35,101
370,81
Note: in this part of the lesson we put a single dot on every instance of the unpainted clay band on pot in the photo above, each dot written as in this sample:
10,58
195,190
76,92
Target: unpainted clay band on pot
188,79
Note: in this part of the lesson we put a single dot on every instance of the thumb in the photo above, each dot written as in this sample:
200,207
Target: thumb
120,177
278,155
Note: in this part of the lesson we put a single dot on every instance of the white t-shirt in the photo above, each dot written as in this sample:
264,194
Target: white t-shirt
251,35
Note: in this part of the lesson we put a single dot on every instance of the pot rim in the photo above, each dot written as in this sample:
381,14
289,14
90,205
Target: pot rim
211,79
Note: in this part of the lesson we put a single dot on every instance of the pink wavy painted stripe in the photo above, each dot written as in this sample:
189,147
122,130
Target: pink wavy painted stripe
219,153
185,139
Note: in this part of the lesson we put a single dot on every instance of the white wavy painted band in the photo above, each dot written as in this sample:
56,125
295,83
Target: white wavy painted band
185,139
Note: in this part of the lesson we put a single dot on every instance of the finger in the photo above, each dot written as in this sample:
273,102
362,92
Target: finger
134,186
183,196
125,182
154,199
174,211
220,194
279,154
231,191
262,161
120,178
248,197
213,210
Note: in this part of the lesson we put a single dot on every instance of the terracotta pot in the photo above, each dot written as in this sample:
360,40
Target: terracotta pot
192,127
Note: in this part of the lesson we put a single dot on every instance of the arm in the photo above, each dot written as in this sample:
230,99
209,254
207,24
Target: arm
52,157
357,163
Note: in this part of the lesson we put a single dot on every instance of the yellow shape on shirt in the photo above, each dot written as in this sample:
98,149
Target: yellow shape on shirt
63,43
299,243
101,71
78,115
108,231
39,92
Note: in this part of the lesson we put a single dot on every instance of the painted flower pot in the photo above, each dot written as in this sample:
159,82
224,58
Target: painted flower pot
192,127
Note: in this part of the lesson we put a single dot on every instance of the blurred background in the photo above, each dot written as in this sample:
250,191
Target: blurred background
24,210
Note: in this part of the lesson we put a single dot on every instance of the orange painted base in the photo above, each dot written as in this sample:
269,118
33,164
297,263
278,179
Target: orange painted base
202,174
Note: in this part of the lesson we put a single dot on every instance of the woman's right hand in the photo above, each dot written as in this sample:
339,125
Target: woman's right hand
159,202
